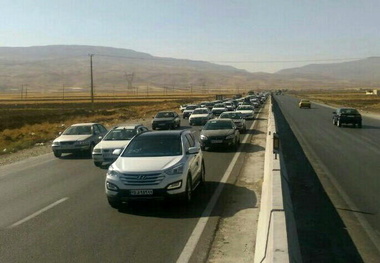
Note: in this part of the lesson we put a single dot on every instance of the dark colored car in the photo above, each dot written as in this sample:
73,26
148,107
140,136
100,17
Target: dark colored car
189,110
220,133
347,116
166,120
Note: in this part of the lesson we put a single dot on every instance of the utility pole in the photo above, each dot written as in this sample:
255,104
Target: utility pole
129,78
92,82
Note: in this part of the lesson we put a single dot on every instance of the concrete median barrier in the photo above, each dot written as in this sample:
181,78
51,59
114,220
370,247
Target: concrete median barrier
276,239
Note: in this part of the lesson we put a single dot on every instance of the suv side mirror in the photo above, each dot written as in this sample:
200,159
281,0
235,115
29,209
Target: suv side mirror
193,150
334,112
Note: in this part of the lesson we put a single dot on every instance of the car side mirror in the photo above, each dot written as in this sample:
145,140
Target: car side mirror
334,112
193,150
116,152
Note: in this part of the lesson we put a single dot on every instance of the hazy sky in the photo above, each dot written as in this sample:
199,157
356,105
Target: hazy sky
256,35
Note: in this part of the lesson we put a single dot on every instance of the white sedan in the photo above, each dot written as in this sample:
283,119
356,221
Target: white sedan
247,111
117,138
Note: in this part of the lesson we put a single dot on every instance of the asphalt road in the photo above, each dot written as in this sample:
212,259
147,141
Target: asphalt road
347,163
55,210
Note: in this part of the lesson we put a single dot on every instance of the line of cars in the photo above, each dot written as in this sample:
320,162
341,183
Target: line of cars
148,164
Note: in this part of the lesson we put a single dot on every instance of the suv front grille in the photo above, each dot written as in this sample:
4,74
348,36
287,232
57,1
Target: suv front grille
142,179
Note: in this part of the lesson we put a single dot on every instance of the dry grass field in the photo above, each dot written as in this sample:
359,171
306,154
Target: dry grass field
344,98
25,123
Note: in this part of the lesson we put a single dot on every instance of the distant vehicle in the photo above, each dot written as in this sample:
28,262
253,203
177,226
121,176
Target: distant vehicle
200,116
166,120
304,104
237,118
156,165
81,137
189,109
117,138
220,133
229,105
218,109
182,107
247,111
207,105
347,116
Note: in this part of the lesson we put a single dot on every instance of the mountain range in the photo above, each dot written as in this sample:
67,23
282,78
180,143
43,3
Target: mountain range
48,68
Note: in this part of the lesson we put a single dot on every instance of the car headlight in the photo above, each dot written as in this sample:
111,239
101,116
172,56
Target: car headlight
97,150
176,169
56,143
231,136
203,137
113,173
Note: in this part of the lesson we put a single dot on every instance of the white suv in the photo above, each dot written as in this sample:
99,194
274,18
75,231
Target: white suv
156,165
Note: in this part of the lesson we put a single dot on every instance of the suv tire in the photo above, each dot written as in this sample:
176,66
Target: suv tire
57,154
189,191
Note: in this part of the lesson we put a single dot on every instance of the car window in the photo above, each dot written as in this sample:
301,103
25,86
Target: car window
154,146
218,125
96,129
78,130
165,115
190,140
120,135
349,111
102,129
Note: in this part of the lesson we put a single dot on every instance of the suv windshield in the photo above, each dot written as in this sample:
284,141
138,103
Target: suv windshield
120,135
78,130
218,125
150,146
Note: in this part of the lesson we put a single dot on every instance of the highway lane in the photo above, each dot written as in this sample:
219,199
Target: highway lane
55,210
346,160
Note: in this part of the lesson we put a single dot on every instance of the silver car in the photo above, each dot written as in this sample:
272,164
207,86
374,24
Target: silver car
81,137
156,165
117,138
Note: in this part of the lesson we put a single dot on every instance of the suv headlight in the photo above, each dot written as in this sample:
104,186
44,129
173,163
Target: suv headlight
176,169
113,173
55,143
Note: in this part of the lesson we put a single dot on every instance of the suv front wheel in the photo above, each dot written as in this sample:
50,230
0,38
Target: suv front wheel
189,191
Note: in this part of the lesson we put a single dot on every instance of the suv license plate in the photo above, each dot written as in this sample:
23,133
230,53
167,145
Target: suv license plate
141,192
216,141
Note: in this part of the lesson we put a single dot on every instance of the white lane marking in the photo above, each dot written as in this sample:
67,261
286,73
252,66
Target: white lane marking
198,230
38,212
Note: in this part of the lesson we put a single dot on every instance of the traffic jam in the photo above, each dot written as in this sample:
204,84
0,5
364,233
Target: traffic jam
166,161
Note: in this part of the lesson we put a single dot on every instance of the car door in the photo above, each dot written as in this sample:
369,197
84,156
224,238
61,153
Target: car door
194,159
